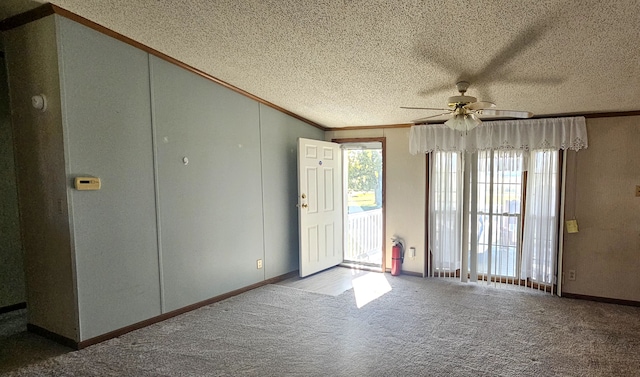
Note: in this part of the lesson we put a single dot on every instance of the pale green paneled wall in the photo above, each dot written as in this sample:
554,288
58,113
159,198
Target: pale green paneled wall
211,207
279,138
107,124
12,285
160,234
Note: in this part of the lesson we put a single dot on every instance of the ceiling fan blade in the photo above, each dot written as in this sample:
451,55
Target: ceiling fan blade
506,113
432,116
444,60
530,80
480,105
523,41
423,108
435,90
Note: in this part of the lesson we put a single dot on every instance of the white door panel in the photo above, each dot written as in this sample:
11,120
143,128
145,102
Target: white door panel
319,205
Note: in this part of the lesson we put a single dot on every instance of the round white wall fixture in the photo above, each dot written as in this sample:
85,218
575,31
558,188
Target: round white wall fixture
39,102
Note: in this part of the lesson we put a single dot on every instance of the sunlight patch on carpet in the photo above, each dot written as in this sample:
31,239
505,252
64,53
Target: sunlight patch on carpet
369,287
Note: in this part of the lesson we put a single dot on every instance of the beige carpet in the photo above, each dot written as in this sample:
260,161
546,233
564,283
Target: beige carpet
421,327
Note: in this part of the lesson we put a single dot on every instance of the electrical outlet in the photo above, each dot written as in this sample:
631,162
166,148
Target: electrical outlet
259,263
572,275
412,252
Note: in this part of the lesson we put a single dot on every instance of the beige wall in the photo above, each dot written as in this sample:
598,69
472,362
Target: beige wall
31,53
605,253
405,192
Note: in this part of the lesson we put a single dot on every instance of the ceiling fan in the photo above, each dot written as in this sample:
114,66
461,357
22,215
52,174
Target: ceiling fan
465,110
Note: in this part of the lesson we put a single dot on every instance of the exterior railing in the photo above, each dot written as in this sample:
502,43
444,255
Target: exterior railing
364,236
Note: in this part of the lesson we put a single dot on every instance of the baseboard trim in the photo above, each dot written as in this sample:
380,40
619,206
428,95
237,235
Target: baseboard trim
601,299
173,313
10,308
411,273
53,336
408,273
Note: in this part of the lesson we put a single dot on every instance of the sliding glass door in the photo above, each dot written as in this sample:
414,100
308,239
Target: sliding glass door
510,217
498,211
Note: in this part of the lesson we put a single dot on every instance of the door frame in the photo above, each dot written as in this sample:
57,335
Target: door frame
383,141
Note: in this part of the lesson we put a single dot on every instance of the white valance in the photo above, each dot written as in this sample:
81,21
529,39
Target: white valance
524,134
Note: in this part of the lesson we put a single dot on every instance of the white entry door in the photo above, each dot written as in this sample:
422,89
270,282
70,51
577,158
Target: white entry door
319,205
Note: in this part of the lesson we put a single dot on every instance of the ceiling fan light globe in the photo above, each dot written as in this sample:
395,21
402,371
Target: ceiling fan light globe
471,121
456,123
463,122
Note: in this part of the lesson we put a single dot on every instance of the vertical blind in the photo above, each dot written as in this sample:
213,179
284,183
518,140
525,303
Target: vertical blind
508,239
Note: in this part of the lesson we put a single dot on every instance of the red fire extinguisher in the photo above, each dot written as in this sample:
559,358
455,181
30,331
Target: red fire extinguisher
397,256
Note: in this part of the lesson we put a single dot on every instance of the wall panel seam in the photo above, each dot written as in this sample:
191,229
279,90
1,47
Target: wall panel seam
156,184
264,233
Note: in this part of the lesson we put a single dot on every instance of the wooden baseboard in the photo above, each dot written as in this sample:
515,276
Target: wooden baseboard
411,273
601,299
53,336
173,313
408,273
10,308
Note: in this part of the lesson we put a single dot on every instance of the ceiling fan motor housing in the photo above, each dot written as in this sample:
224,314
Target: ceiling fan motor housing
456,102
459,101
462,86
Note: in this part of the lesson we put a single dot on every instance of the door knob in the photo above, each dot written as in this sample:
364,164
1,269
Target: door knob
304,205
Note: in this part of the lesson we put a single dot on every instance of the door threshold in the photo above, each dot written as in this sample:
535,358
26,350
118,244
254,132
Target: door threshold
361,267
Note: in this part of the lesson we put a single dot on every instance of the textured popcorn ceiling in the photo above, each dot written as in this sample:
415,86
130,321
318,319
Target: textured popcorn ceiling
353,63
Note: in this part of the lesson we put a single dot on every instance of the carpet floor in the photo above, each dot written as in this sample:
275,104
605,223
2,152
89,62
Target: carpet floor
420,327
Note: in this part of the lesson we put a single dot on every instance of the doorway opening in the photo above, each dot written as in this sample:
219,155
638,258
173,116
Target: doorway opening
363,193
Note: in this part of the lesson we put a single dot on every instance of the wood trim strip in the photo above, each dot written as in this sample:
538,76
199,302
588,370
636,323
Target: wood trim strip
606,300
583,114
173,313
382,126
593,115
26,17
90,24
49,9
10,308
384,203
53,336
427,251
408,273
